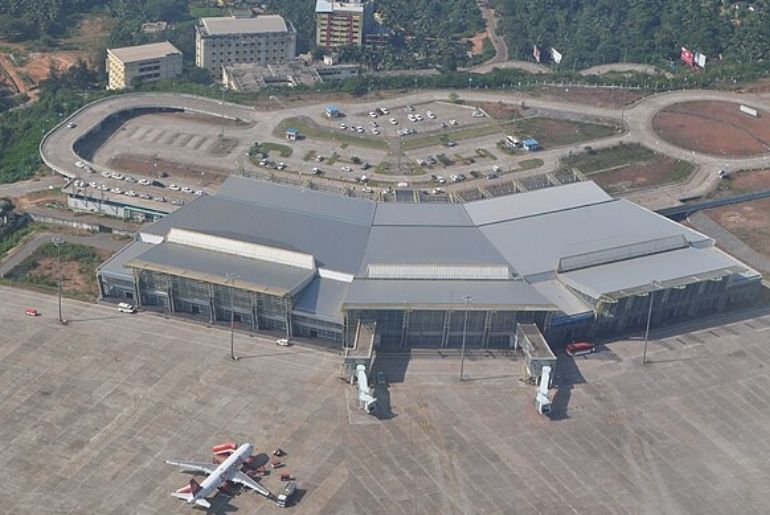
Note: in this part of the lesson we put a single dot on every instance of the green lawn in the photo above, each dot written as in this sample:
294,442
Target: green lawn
611,157
476,131
267,148
308,129
551,132
529,164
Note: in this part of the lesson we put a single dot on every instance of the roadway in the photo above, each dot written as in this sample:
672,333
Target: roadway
57,151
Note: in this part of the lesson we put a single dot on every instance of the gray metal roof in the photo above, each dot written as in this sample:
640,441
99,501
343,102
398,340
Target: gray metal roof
429,245
322,297
456,246
130,54
115,266
673,268
536,202
513,295
335,244
534,245
399,213
210,266
228,25
300,200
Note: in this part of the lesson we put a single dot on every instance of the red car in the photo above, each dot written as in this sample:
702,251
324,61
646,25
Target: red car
580,348
32,312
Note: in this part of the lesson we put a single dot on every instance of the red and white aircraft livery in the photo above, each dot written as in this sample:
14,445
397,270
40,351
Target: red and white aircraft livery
229,470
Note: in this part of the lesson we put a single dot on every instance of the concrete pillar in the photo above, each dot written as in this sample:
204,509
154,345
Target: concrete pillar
695,301
726,282
445,330
254,312
170,294
137,296
404,327
287,303
212,313
487,328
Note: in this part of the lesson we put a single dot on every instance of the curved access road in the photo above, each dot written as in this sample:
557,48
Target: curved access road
57,146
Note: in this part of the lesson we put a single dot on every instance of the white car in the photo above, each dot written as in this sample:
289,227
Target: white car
367,189
71,125
436,191
453,122
496,169
198,192
403,184
80,164
385,110
116,190
144,196
144,182
393,121
118,176
159,199
93,184
281,166
372,114
283,342
174,187
412,118
345,168
343,126
128,178
375,131
187,189
440,180
430,115
103,187
360,130
418,117
130,193
478,114
106,175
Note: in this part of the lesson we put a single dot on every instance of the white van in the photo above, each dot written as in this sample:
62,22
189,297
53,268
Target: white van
125,307
283,342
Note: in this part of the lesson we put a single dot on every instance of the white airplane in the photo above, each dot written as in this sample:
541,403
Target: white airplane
229,470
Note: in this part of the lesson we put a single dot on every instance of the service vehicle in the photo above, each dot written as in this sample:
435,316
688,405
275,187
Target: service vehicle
580,348
31,312
125,307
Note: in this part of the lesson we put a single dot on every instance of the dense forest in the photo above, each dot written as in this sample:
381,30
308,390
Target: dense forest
604,31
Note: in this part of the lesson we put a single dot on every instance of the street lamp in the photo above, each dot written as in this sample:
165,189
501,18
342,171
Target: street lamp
223,89
58,242
465,332
232,278
649,319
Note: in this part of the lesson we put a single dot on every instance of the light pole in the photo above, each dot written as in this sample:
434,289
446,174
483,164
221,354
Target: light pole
465,332
232,278
223,89
58,242
649,319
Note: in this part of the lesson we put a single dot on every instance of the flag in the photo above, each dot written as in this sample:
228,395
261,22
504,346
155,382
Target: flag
700,59
687,56
556,55
536,52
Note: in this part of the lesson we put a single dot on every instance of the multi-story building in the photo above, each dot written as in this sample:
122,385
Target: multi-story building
224,41
342,23
146,63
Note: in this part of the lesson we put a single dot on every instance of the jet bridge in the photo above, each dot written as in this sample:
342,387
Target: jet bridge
539,362
362,352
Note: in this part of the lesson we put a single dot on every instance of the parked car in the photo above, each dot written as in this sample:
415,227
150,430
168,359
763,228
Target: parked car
580,348
283,342
32,312
125,307
174,187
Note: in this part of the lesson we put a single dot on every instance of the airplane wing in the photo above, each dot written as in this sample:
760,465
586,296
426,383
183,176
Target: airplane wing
246,481
197,466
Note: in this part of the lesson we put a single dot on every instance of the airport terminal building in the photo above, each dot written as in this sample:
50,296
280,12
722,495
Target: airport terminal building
571,259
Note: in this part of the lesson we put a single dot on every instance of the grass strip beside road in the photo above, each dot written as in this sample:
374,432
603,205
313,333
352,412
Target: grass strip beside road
477,131
311,130
611,157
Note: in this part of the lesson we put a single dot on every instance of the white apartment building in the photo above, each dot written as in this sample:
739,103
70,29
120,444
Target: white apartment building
263,39
147,63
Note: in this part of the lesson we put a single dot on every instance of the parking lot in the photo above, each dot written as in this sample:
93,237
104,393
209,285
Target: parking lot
91,411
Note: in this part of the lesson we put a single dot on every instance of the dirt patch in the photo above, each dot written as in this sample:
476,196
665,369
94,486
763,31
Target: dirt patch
742,182
717,128
749,221
600,97
500,110
155,168
223,146
654,172
41,198
477,42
